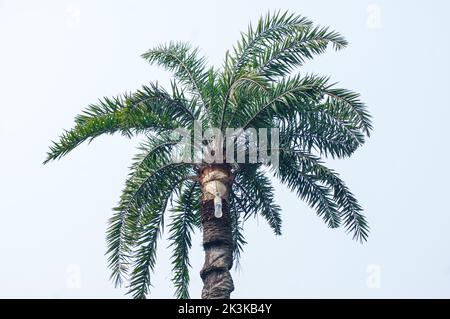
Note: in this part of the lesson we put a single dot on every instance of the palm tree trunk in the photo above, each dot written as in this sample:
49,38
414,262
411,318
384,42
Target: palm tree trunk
217,239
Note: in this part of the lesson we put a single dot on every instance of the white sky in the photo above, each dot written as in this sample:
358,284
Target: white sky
56,57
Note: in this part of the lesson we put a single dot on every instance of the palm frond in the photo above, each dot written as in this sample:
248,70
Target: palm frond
146,232
318,131
186,64
308,98
146,110
250,84
279,59
237,229
270,29
257,192
348,105
186,217
348,206
145,256
307,184
151,168
282,100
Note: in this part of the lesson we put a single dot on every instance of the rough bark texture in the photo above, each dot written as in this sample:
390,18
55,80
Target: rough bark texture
217,239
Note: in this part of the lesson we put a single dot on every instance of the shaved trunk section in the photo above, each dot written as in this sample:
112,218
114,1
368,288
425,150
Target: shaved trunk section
217,238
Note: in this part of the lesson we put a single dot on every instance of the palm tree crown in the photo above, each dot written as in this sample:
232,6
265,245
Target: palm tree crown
254,88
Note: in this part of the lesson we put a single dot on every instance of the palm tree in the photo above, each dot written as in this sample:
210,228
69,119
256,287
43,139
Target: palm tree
253,89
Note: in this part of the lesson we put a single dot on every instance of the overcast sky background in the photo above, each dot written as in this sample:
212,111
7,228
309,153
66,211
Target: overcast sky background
56,57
